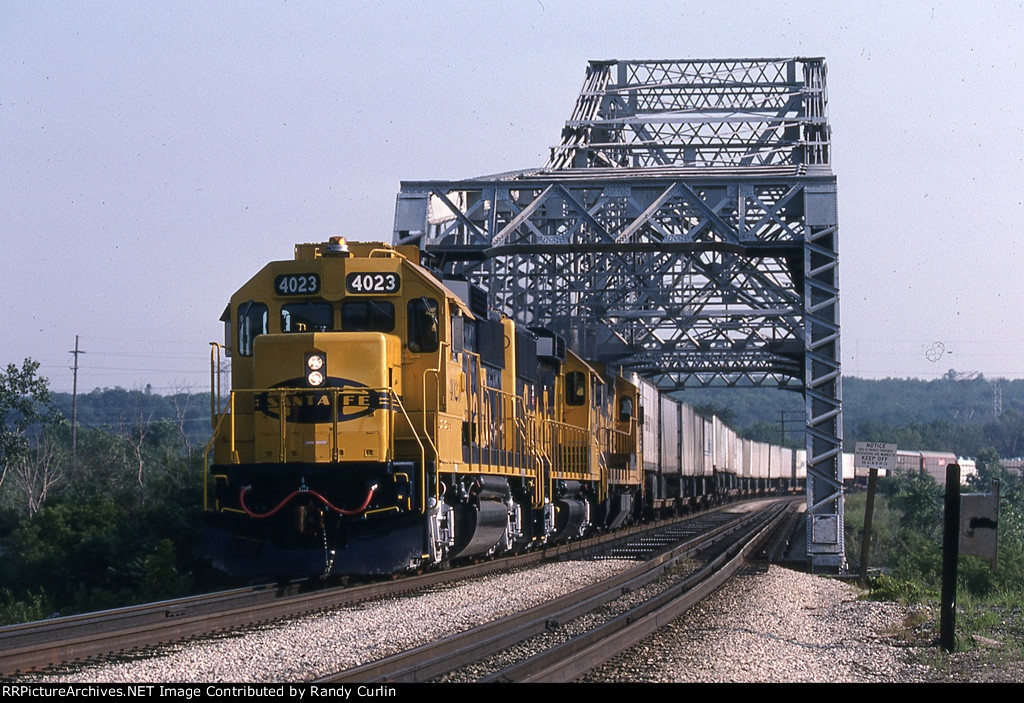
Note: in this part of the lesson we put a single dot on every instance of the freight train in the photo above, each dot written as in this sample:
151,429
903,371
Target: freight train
380,419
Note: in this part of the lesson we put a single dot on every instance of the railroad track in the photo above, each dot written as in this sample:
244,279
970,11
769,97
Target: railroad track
38,645
730,540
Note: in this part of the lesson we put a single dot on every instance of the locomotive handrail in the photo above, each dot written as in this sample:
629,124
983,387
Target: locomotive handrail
580,438
334,392
531,443
206,462
282,451
477,415
423,451
216,418
391,253
215,348
545,413
231,445
522,441
437,410
616,440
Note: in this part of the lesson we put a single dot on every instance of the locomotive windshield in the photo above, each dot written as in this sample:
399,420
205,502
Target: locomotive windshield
368,316
423,326
575,388
252,322
307,317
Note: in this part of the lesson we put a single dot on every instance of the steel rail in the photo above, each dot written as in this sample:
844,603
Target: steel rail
571,659
431,660
40,644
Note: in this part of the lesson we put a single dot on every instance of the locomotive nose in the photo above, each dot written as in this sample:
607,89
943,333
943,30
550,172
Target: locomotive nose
325,396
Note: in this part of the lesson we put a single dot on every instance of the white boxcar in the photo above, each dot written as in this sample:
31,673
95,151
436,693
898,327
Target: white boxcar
786,467
748,458
724,437
934,464
760,455
774,468
848,470
737,454
669,437
652,424
708,429
693,441
800,464
968,468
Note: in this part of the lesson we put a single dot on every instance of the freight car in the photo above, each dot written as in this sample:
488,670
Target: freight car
381,419
934,464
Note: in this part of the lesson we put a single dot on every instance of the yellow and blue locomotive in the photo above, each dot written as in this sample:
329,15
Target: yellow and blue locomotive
380,419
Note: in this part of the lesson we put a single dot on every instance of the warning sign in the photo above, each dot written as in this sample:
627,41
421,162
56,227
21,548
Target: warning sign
875,455
979,525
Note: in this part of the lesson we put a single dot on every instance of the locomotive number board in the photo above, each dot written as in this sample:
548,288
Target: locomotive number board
297,284
366,282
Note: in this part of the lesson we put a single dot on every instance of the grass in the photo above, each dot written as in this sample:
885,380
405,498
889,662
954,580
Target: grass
990,640
34,607
905,548
909,631
998,618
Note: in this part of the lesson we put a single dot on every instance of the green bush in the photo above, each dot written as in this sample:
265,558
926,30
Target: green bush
884,587
34,606
160,576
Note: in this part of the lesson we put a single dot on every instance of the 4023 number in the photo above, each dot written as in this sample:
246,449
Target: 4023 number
372,283
297,284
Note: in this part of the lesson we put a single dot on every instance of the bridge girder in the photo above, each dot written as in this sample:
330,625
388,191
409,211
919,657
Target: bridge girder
684,228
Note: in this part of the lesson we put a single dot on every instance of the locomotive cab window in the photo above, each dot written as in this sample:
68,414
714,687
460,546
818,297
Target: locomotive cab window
252,322
226,319
368,316
625,409
424,330
307,317
575,388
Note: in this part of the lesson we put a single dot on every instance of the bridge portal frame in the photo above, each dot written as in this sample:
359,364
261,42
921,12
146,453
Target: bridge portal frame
685,228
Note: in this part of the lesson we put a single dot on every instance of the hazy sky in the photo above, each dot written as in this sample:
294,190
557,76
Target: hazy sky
155,155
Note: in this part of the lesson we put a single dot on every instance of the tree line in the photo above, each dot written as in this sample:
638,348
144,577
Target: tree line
107,518
111,515
956,413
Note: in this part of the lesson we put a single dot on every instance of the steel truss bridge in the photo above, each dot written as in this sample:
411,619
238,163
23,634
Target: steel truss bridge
684,228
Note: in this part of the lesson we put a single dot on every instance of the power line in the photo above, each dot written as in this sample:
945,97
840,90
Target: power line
126,368
185,357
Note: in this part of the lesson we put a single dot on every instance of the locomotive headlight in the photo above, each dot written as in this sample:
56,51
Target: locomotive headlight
316,367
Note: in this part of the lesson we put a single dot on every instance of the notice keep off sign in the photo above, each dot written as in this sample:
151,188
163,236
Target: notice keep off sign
875,455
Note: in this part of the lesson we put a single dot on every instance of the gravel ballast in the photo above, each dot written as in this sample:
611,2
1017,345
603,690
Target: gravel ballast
786,626
317,645
774,626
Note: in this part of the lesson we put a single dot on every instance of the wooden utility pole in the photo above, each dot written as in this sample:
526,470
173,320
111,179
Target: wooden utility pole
865,542
950,558
74,401
873,456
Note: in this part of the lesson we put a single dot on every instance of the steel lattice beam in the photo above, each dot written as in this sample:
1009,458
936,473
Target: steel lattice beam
685,227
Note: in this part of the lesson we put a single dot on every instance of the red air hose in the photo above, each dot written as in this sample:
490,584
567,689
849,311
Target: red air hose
357,511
